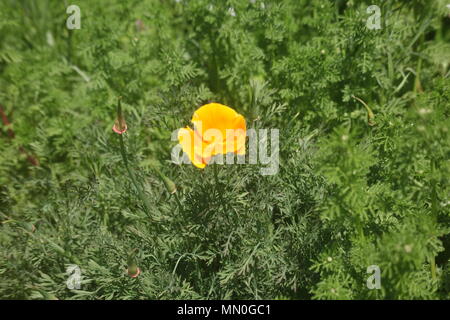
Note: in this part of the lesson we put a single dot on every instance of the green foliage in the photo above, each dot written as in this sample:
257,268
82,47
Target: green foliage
350,192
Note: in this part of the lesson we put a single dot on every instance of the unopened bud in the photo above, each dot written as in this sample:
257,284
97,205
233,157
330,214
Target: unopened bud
133,270
370,114
46,295
27,226
120,126
169,184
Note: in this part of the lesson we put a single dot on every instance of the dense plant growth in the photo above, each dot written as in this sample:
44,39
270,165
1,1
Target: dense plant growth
364,119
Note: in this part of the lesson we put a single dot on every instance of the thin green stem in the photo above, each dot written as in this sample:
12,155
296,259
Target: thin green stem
434,212
216,174
133,177
218,185
417,83
69,47
433,267
178,200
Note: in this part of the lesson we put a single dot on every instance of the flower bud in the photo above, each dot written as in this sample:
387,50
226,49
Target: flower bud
133,270
120,125
370,114
47,295
169,184
27,226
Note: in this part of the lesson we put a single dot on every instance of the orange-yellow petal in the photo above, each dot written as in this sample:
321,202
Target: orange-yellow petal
218,129
192,146
234,143
216,116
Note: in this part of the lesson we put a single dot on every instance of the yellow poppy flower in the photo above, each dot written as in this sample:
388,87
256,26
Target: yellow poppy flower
218,129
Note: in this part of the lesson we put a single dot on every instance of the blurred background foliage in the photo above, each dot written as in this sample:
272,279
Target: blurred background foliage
351,192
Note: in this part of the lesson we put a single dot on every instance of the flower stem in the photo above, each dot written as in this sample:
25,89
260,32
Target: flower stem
178,200
133,177
218,186
434,212
433,267
216,174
